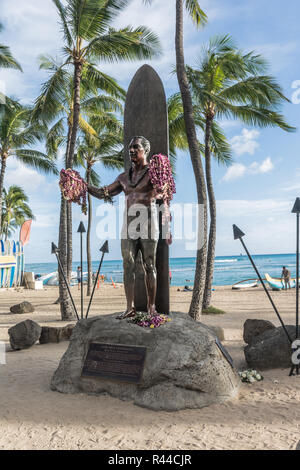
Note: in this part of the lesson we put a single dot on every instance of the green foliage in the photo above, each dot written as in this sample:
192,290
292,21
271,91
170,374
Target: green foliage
15,210
18,134
212,311
7,61
228,83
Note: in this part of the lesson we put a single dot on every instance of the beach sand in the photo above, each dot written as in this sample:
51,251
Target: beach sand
266,415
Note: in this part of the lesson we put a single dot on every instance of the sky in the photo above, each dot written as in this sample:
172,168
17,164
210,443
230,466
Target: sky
256,192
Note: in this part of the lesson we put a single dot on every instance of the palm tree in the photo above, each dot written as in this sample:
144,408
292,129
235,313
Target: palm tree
17,135
228,83
199,19
89,37
15,210
6,58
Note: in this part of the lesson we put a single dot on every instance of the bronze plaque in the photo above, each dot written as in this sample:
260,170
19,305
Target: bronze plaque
120,362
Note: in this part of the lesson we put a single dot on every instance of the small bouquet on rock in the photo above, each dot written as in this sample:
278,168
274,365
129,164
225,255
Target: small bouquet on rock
149,321
250,376
73,188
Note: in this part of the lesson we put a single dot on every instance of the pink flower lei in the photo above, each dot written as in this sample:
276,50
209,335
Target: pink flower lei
73,188
160,174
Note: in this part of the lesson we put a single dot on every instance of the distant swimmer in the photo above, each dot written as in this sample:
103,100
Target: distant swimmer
286,275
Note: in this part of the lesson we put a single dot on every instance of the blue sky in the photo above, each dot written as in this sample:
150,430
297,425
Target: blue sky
257,192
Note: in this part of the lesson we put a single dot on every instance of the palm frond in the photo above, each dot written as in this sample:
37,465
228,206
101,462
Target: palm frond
197,15
102,81
62,11
125,44
37,160
7,60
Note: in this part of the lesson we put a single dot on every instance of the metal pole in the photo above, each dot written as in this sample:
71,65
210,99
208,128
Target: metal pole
64,277
297,279
266,291
81,256
95,283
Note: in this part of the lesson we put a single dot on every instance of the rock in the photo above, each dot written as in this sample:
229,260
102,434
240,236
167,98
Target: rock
253,328
23,307
51,334
24,334
271,349
183,368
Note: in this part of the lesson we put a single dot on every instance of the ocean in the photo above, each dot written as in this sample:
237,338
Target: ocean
228,269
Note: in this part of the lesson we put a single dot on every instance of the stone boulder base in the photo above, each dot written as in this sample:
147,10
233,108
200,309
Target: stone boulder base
271,349
23,307
184,368
52,334
24,334
253,328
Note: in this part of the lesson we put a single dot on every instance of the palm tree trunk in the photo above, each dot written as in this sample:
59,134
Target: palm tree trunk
63,242
88,237
2,173
77,81
65,304
213,216
72,135
200,272
69,214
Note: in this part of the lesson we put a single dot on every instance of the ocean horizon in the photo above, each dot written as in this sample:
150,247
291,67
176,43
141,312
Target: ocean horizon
228,269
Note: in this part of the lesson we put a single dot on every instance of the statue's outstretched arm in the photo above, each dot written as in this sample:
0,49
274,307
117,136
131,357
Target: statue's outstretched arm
106,192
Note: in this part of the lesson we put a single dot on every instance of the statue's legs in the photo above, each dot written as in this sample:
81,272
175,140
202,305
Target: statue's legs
129,249
148,250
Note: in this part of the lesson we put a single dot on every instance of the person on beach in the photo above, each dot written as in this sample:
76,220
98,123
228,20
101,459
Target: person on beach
286,276
79,276
139,192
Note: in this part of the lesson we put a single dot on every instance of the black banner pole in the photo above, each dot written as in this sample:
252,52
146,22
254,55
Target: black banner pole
296,210
238,234
81,230
104,250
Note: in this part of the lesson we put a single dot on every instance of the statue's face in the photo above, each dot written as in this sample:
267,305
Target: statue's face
136,151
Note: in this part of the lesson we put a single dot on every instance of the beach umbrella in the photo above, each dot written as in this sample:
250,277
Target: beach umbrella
55,251
81,230
104,249
238,235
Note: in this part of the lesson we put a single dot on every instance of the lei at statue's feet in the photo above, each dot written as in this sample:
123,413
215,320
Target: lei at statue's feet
151,310
127,314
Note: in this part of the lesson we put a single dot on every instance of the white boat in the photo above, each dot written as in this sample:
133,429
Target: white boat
240,285
51,279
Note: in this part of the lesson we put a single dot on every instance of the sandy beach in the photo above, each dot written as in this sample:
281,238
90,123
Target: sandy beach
266,415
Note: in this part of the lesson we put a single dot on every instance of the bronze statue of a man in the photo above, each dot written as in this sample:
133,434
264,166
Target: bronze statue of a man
140,197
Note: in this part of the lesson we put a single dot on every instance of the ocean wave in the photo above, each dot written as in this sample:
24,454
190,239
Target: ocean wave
225,260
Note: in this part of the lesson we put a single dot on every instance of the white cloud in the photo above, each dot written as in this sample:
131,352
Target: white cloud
246,142
28,178
238,170
264,167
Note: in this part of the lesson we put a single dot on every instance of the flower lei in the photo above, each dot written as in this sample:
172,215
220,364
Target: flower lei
160,174
73,188
149,321
161,177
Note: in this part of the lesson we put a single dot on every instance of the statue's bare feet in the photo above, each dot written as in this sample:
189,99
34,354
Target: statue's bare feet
127,314
152,310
